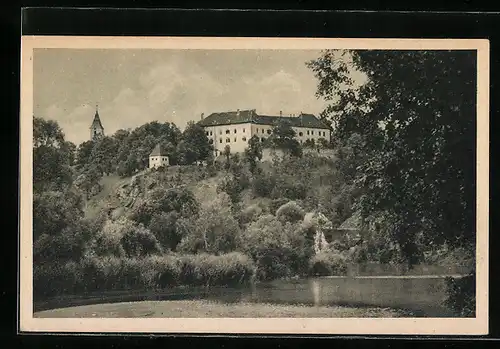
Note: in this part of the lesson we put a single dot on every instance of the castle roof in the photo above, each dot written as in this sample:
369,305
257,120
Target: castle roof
158,151
97,121
250,116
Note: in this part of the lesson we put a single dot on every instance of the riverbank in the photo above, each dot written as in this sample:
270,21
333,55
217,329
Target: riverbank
205,308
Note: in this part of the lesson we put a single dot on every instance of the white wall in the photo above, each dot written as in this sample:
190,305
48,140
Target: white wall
305,133
157,161
237,138
245,131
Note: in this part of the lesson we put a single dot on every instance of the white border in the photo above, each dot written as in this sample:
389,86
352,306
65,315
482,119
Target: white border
351,326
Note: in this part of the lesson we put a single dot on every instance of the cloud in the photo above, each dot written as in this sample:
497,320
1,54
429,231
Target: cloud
180,90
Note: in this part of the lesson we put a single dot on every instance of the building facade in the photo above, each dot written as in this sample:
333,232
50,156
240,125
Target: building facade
158,157
96,129
235,128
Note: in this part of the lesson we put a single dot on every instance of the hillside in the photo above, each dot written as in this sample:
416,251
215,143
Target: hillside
119,194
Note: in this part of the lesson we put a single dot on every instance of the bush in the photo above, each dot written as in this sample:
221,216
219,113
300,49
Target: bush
229,269
328,263
250,214
263,185
290,212
140,242
164,228
150,273
214,230
55,278
276,248
461,295
277,203
289,188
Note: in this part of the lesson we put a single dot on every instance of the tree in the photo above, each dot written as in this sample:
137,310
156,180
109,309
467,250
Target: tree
283,137
103,155
214,231
227,154
164,227
194,144
416,116
253,152
88,180
52,156
47,133
54,211
83,154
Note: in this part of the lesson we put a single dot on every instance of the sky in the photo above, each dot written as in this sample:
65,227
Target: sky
132,87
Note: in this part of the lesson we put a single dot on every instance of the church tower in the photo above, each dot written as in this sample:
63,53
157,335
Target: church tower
96,129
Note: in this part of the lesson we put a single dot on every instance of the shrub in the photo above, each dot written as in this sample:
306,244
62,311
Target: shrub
55,278
232,187
250,214
214,230
461,295
229,269
109,273
328,263
263,185
277,203
290,212
273,247
164,227
140,242
289,188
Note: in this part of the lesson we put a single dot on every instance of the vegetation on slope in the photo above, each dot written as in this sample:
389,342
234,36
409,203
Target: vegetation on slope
399,162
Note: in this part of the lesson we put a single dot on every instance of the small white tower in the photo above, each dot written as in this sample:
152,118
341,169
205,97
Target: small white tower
158,157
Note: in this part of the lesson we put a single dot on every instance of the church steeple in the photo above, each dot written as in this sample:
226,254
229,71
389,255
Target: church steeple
96,129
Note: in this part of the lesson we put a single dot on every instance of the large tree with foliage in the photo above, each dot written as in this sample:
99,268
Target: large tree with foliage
283,137
253,152
194,144
52,156
415,117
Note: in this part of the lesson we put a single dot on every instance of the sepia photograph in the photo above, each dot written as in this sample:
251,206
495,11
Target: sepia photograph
250,185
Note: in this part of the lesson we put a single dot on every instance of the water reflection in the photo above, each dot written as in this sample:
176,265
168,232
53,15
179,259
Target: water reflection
424,296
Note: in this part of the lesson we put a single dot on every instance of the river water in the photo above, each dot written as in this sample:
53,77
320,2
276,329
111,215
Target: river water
423,295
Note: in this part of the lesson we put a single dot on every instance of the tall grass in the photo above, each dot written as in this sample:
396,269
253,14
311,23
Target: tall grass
112,273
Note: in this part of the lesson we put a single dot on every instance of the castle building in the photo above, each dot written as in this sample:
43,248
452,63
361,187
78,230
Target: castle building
158,157
235,128
96,129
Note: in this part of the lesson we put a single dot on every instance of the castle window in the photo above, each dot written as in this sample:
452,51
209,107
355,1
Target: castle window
211,141
257,130
323,134
235,139
244,139
234,130
228,140
308,132
262,139
220,132
220,140
210,133
268,132
312,132
243,130
206,133
262,130
301,134
227,132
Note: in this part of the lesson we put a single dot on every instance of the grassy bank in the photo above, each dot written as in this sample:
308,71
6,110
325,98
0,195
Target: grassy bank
202,308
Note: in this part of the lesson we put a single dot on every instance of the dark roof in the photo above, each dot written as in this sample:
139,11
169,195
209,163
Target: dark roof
158,151
97,121
250,116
